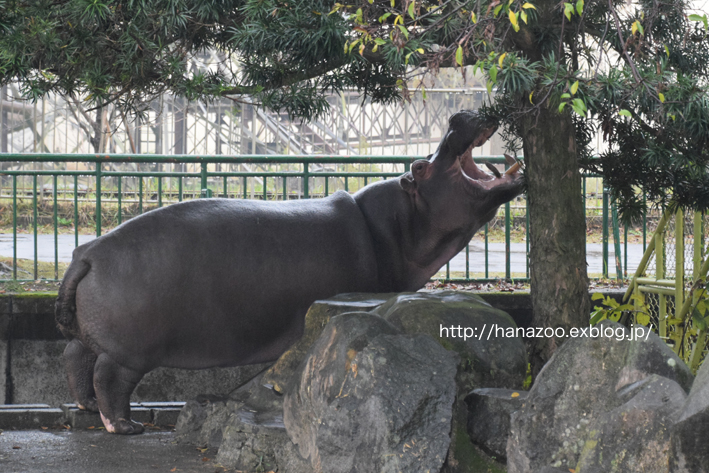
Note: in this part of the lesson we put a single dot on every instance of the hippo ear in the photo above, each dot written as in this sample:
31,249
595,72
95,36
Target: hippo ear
408,183
420,171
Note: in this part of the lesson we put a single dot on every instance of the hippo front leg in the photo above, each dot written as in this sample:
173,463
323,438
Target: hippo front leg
80,362
114,384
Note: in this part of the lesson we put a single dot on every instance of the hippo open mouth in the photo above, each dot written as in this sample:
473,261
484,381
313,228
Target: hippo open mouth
479,178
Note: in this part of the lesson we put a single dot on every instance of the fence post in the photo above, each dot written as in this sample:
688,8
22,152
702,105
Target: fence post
605,233
204,186
508,263
679,259
14,226
306,176
616,243
98,199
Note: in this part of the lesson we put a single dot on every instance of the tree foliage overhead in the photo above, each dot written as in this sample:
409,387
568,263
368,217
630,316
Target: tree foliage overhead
636,73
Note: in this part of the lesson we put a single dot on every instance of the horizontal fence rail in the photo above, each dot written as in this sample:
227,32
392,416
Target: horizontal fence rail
62,200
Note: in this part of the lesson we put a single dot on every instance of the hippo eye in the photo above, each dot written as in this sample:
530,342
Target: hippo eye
418,167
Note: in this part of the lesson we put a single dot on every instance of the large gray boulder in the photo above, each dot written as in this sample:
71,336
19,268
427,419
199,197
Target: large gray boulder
369,399
318,315
461,322
653,356
572,402
467,325
636,435
689,446
489,412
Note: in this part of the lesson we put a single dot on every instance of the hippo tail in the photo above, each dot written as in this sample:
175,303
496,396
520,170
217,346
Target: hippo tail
65,307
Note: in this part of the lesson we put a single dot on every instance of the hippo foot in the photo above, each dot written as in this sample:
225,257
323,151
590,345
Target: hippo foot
88,405
122,426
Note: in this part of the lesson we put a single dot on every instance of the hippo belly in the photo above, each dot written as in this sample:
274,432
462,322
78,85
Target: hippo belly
218,282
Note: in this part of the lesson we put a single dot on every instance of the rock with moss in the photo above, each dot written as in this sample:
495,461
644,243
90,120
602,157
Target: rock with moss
483,337
319,314
489,411
370,399
592,392
575,387
491,355
634,436
648,355
690,448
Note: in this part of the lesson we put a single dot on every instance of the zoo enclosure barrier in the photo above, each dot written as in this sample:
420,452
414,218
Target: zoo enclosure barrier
52,193
670,283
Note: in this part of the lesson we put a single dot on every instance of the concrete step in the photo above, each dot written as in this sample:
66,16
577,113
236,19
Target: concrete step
33,416
29,416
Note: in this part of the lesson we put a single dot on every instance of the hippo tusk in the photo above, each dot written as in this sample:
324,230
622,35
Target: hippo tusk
510,160
493,169
516,167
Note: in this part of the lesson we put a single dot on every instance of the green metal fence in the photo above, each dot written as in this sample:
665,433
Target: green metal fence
80,193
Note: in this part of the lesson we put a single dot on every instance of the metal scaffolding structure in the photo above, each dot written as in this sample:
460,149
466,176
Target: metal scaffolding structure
175,126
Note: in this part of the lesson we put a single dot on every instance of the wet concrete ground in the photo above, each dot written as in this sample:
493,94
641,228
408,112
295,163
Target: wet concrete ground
61,451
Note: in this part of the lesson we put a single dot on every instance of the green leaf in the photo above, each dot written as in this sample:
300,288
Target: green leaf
404,30
393,3
423,92
702,307
493,74
497,9
565,96
596,296
625,113
459,55
489,87
579,107
420,50
662,97
379,41
643,319
358,16
523,15
636,26
568,10
561,106
412,6
597,316
513,19
473,17
528,5
574,87
384,17
703,19
698,320
579,7
667,50
353,44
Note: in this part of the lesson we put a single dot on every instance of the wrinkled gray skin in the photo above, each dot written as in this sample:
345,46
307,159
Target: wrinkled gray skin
216,282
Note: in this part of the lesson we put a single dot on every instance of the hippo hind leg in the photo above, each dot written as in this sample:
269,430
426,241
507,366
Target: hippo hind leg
79,362
114,384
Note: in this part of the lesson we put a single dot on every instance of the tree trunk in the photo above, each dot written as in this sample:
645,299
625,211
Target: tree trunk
559,282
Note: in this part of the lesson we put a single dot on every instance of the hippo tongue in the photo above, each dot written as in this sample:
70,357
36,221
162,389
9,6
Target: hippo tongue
470,168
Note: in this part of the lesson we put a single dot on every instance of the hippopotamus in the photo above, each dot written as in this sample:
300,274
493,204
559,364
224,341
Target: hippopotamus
227,282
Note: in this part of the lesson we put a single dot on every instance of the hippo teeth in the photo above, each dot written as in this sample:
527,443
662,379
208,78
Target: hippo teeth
516,167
